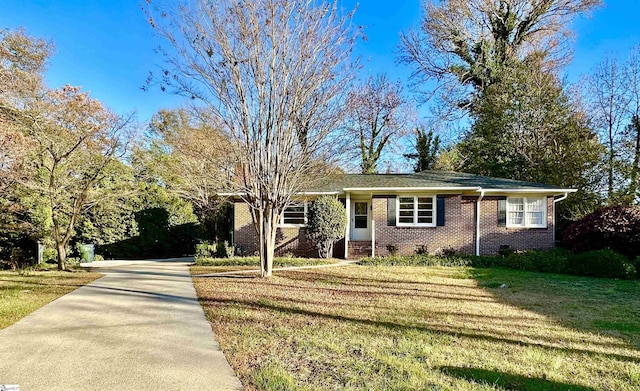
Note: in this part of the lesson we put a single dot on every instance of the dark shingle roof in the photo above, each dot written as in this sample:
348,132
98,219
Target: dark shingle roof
424,179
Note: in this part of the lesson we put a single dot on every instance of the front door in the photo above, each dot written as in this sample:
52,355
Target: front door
360,225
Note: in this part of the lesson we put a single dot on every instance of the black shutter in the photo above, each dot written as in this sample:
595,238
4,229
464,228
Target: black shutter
502,211
440,211
391,212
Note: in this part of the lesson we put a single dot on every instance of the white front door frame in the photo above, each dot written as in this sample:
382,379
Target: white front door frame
360,224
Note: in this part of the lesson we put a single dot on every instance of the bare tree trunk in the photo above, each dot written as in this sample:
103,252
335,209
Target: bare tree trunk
635,127
612,156
62,255
267,243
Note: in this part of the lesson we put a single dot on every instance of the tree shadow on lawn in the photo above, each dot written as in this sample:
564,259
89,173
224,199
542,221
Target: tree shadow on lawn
456,333
594,305
509,381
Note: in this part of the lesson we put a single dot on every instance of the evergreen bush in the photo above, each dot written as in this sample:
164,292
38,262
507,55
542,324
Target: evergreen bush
327,220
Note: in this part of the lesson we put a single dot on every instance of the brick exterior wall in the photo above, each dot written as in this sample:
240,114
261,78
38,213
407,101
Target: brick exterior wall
457,233
492,236
288,239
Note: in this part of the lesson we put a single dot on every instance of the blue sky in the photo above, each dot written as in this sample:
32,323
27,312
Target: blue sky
107,47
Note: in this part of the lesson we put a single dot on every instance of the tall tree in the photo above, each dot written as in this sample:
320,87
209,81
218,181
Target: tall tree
466,45
22,63
272,72
189,154
632,131
608,101
427,149
376,115
526,128
77,139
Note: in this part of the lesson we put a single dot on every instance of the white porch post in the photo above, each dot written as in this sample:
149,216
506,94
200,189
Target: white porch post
478,222
347,230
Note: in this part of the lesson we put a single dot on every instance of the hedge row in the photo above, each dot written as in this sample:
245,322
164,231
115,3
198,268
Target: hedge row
600,263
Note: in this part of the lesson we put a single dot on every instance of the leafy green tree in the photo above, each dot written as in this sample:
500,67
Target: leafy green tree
189,155
427,150
526,128
632,132
326,224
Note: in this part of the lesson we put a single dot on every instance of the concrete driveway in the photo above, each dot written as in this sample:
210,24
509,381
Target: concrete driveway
138,328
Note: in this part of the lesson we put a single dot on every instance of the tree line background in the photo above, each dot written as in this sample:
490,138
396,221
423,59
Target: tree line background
271,107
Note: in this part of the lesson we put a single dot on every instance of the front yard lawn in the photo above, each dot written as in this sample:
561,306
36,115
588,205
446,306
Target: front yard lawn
23,293
426,328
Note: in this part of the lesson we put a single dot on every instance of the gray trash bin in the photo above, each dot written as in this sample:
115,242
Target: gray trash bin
87,252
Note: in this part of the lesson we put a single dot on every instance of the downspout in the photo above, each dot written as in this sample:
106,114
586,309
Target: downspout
478,221
555,200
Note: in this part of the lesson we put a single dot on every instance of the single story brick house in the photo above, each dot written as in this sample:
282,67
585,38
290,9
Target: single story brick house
431,211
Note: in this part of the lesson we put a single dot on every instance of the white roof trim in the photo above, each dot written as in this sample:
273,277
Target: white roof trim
318,193
410,189
536,190
300,193
398,189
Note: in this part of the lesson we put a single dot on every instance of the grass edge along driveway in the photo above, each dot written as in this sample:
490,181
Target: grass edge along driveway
405,328
21,293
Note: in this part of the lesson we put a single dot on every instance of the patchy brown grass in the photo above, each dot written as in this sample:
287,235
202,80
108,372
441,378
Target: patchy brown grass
21,293
408,328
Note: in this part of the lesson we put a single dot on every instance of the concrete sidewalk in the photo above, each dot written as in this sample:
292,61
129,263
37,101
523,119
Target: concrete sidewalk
138,328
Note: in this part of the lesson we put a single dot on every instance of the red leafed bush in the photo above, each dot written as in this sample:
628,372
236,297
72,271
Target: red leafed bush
613,227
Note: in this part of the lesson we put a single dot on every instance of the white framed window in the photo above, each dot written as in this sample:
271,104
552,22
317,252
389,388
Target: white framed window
295,214
416,211
527,212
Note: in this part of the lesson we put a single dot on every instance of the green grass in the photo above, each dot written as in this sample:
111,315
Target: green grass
426,328
24,292
255,261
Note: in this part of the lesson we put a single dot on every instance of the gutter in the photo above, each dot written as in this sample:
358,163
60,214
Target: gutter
540,190
409,189
481,190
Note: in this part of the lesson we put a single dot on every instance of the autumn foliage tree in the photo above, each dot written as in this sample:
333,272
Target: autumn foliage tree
76,139
22,62
272,72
